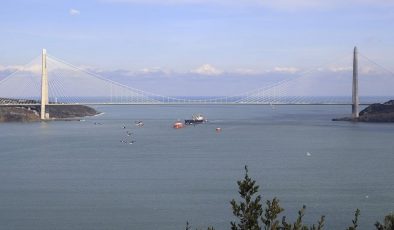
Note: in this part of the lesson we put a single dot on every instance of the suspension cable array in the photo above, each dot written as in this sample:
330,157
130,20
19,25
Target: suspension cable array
70,84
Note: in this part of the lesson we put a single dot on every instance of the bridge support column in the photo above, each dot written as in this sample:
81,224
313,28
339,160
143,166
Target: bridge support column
355,99
44,86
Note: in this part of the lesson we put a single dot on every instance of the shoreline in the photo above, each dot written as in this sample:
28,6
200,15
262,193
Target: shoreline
57,113
376,113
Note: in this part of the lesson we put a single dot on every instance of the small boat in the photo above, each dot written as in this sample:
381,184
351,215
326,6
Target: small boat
178,125
218,130
196,119
139,123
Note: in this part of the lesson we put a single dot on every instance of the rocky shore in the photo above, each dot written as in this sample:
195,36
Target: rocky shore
374,113
32,113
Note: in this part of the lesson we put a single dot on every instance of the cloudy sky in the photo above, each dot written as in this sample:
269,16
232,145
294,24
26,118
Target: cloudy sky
215,38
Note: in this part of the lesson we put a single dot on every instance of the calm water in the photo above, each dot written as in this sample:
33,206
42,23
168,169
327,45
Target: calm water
78,175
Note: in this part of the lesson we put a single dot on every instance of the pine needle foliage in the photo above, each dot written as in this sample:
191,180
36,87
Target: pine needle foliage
271,213
250,214
320,224
388,223
355,221
249,210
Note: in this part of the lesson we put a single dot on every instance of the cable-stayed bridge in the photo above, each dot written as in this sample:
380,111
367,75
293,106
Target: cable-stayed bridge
51,80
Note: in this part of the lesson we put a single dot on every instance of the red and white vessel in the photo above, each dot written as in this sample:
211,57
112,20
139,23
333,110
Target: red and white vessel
178,125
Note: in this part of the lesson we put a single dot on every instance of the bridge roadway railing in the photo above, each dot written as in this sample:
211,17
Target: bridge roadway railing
177,103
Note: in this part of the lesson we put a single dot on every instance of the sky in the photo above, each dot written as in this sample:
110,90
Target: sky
245,39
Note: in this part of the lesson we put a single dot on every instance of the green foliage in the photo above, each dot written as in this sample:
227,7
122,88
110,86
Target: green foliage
249,210
388,223
355,220
320,224
188,227
272,211
298,225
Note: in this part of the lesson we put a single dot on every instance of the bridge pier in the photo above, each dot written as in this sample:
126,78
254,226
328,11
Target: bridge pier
44,87
355,98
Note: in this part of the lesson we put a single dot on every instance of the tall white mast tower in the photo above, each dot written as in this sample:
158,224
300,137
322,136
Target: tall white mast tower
44,86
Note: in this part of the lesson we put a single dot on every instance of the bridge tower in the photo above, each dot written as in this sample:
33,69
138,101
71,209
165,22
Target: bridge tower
355,99
44,86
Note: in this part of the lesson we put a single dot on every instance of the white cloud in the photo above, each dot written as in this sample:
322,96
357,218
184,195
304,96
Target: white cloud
207,69
245,71
285,69
74,12
154,70
340,69
10,68
363,69
370,70
35,68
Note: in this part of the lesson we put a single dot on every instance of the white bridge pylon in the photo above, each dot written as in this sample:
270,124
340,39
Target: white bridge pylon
70,84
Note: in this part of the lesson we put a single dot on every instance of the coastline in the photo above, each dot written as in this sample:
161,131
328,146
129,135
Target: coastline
57,113
377,112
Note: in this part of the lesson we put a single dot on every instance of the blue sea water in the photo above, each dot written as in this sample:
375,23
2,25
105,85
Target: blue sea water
79,175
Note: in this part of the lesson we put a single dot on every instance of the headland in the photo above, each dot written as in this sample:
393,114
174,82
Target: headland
376,112
31,113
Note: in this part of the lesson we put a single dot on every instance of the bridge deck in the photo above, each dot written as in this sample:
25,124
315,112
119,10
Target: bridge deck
179,103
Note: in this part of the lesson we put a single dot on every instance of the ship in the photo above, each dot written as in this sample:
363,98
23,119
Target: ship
196,119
